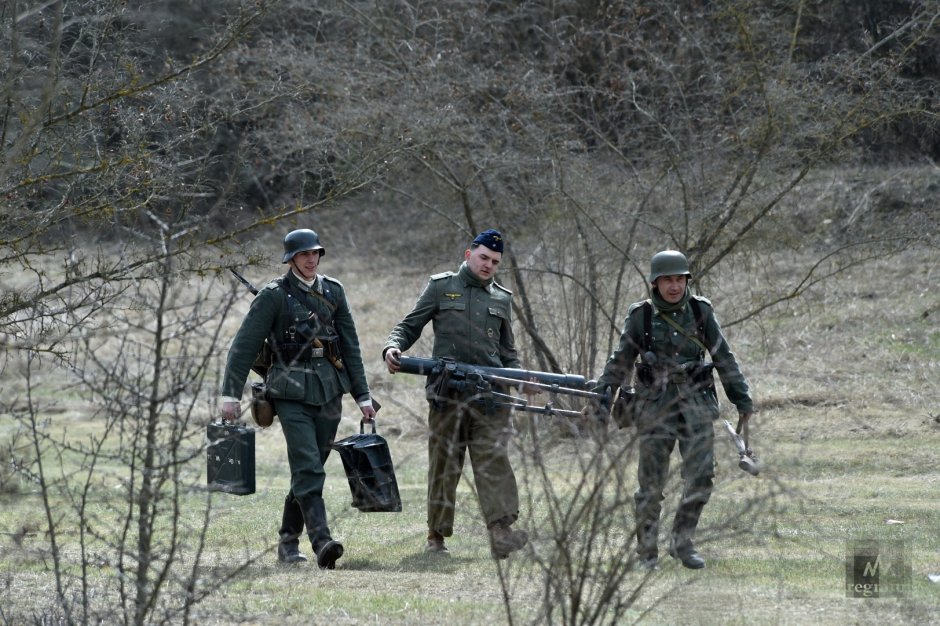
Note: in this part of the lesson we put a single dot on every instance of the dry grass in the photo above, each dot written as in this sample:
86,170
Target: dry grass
849,429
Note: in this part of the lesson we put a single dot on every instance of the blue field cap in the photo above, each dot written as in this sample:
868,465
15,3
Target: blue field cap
490,238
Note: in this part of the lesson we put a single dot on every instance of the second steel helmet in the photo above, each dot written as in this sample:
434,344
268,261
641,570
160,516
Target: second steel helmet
668,263
298,241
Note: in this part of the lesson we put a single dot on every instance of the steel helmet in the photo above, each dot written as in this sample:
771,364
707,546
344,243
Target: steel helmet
668,263
301,240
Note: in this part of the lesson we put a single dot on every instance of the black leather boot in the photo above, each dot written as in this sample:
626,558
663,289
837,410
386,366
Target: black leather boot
327,550
292,527
683,530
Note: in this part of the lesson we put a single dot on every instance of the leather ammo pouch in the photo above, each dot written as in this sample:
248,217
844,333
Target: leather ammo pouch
333,349
700,374
262,409
623,411
263,360
644,374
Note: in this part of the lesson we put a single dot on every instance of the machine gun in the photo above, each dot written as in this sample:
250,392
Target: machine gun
478,382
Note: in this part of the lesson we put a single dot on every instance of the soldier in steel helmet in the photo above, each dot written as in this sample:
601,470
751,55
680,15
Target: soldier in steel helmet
675,400
306,319
471,316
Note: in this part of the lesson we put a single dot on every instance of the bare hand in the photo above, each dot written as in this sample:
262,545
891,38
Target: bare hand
231,411
595,411
393,360
368,413
531,390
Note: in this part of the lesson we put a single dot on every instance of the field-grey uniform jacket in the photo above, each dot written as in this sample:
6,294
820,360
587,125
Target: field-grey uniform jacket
272,315
472,320
673,349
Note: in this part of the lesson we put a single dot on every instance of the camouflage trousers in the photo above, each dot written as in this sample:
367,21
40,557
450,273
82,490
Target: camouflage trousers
658,434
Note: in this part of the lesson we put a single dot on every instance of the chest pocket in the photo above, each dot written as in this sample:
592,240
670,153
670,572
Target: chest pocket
494,321
451,318
670,342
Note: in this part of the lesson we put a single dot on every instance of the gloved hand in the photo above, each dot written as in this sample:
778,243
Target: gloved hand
599,408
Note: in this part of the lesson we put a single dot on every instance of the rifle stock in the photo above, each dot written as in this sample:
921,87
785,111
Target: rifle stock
244,281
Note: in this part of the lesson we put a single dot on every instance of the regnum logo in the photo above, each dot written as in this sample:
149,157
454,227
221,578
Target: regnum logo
877,569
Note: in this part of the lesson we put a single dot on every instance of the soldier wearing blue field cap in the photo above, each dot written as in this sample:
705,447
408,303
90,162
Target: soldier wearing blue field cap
490,238
471,316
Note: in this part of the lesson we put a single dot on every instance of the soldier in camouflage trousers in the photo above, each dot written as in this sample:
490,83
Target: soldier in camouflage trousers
675,400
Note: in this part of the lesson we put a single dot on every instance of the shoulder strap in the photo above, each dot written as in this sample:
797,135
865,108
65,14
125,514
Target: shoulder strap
698,338
699,318
647,326
328,293
328,298
285,284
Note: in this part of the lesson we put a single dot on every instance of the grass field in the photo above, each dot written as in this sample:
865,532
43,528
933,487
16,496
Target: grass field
848,429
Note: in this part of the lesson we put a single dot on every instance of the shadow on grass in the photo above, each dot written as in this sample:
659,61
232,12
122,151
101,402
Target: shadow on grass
419,562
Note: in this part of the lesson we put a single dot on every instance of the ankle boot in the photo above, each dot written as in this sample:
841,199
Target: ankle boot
647,538
292,527
435,544
327,550
683,529
503,541
687,555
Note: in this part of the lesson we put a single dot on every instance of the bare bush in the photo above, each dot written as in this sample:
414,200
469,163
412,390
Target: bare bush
145,145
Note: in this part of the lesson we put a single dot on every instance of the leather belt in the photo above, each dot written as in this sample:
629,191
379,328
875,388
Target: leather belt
679,378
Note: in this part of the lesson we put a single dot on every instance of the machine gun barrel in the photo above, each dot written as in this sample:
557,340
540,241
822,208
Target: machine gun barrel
479,380
418,365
